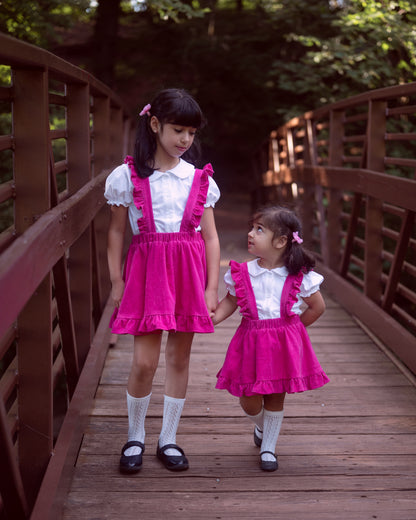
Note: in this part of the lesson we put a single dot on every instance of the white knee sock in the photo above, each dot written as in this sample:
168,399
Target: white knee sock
136,409
258,421
271,429
172,410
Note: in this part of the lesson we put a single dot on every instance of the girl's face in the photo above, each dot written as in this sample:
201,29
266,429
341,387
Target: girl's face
173,140
261,242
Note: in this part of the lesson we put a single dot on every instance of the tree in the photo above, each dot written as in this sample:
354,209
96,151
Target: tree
35,21
374,46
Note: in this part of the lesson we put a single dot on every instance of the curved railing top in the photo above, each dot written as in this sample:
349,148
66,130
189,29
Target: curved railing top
19,54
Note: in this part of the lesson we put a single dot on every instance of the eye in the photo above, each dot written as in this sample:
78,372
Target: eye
259,229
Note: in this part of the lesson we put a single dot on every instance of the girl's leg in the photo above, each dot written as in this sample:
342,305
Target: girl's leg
139,387
273,417
253,408
177,355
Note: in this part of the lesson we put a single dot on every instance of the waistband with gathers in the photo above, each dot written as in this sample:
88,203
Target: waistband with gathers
273,323
189,236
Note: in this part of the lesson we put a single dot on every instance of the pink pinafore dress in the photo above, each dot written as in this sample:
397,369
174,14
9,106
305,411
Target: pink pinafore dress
268,356
165,273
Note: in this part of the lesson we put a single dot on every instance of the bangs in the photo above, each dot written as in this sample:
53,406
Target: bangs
185,112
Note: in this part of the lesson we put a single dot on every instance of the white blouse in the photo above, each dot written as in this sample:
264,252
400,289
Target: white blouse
169,191
268,286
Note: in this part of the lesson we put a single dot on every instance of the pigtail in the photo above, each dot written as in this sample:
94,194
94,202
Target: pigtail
144,147
297,259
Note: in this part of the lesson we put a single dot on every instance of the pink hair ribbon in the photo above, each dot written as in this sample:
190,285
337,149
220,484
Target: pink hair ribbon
145,109
296,237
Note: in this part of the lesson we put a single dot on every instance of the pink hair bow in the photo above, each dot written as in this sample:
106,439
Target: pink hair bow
145,109
296,237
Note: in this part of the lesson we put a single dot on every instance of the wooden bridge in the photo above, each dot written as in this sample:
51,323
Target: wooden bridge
347,450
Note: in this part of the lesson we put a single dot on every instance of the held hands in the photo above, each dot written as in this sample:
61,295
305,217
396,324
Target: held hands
211,300
117,290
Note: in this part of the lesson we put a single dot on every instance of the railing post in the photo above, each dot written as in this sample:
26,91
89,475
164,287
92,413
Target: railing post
117,133
80,258
376,130
307,207
101,147
35,403
336,149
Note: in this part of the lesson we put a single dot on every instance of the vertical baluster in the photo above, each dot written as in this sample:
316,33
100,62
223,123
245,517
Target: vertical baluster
376,130
336,150
79,173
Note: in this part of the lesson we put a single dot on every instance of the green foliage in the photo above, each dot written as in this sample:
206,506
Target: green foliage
35,21
374,46
176,10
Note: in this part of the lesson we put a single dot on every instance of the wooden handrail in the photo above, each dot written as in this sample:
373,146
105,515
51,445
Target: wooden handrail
349,168
53,279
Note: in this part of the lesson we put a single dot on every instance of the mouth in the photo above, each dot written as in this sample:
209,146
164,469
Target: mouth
181,149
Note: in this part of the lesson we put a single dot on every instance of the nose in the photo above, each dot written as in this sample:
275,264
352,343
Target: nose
250,233
185,137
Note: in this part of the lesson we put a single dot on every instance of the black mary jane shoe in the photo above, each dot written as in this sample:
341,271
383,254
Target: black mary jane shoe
257,440
172,462
269,465
131,463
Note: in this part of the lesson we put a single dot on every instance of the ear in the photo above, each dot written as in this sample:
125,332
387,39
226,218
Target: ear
154,124
280,242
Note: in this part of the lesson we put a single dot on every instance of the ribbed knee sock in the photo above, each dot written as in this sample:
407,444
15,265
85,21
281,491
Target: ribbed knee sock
271,428
258,421
137,410
172,410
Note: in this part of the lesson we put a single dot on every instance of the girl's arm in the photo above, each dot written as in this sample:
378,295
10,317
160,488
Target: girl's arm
225,308
212,252
316,307
115,244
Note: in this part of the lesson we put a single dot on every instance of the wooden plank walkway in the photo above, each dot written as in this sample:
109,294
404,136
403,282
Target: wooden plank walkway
347,450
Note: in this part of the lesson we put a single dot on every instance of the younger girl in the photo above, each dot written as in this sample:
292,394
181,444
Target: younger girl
170,279
270,353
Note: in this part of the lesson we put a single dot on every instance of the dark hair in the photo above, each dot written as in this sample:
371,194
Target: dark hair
174,106
284,222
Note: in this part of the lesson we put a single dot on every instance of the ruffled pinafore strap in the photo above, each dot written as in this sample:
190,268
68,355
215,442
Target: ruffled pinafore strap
142,199
244,290
196,200
290,291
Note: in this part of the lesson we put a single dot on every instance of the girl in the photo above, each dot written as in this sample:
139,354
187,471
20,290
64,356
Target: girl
170,279
271,354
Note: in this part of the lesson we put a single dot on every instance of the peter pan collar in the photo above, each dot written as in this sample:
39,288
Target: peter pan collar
255,270
182,170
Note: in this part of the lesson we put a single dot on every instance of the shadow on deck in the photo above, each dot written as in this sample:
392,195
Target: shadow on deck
347,450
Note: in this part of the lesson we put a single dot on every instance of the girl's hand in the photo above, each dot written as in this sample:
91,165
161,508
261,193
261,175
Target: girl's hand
211,300
117,290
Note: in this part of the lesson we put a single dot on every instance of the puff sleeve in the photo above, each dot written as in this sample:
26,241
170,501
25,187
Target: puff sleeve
213,193
118,187
229,283
311,283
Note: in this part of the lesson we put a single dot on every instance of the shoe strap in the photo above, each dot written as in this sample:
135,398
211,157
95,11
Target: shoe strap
130,444
162,449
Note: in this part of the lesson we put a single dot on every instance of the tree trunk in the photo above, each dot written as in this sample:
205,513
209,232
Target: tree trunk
105,40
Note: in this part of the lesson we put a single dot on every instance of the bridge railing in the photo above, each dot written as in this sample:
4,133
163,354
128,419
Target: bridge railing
350,169
61,131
